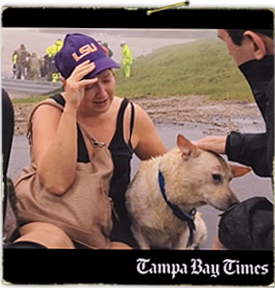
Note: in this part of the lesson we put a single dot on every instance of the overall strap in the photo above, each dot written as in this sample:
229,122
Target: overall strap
59,99
59,102
131,122
119,133
120,116
45,102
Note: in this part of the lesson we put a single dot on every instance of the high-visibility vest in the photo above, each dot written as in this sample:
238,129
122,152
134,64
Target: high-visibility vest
127,55
14,58
55,48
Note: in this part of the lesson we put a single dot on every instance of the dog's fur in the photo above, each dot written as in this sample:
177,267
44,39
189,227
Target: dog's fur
193,177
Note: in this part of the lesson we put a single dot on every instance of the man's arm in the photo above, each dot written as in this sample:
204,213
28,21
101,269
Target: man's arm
250,150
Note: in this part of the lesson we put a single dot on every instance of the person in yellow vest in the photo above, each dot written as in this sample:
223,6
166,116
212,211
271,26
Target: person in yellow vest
127,59
14,63
51,52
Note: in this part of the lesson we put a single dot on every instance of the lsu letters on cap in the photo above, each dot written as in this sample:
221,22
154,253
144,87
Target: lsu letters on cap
78,48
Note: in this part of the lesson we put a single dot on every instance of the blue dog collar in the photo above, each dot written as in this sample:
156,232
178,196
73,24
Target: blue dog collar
182,215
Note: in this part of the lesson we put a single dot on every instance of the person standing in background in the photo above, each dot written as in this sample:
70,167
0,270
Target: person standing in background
127,59
110,52
14,63
51,52
21,62
33,67
103,47
43,67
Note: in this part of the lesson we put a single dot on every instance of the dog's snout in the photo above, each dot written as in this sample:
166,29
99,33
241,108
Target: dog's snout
234,200
224,202
230,201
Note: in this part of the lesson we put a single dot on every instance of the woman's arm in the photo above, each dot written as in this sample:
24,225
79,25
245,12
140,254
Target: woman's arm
54,134
54,147
249,149
147,142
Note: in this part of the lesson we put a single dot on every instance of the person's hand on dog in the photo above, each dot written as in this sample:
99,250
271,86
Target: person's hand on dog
217,144
75,85
212,143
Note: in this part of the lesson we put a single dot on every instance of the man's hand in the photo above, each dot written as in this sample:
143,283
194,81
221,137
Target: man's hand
212,143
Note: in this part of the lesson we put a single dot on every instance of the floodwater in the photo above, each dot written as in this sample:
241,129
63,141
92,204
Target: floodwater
244,187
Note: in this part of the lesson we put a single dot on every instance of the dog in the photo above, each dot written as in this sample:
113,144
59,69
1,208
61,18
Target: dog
163,196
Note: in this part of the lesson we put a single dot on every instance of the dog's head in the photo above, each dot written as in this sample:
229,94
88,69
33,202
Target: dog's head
206,175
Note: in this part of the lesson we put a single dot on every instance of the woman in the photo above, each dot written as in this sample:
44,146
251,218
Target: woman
89,100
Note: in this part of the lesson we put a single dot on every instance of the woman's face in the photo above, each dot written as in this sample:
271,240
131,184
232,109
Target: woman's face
99,96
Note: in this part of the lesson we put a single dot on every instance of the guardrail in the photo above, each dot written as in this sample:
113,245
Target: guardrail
29,86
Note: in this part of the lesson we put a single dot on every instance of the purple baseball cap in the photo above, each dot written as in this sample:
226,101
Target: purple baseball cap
78,48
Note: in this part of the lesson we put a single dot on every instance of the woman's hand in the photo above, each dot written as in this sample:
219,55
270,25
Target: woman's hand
75,85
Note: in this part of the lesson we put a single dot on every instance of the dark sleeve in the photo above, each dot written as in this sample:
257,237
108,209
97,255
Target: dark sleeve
7,136
256,150
7,128
250,150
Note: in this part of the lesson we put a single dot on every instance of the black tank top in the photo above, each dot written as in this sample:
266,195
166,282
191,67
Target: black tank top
121,154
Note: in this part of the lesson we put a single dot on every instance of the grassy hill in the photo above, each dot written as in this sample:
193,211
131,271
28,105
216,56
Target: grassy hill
201,67
197,68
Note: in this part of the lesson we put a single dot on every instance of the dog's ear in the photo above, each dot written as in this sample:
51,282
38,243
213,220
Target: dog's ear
238,171
187,148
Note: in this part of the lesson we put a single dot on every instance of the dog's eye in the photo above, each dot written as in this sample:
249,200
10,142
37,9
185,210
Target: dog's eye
217,178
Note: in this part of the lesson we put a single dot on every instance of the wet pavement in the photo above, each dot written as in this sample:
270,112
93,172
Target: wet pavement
244,187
